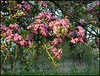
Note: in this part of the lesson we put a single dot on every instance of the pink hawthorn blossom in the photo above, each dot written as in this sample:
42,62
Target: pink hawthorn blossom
56,53
60,50
48,17
38,20
10,36
59,56
54,18
55,41
80,39
16,34
27,6
55,29
9,31
30,44
70,10
51,24
66,17
23,42
15,38
67,20
60,39
20,37
19,5
97,4
41,14
54,49
44,4
89,8
4,27
57,22
30,26
95,22
73,41
22,13
43,30
13,25
76,39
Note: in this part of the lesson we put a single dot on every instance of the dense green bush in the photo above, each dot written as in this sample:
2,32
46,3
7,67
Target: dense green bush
80,53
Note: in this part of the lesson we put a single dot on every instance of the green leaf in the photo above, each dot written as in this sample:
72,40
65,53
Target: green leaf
2,35
11,39
59,34
58,30
63,30
61,26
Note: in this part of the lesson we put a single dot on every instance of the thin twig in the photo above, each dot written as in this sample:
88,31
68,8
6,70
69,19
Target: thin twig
4,61
50,56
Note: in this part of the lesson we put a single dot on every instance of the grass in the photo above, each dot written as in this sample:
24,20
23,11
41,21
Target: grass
65,68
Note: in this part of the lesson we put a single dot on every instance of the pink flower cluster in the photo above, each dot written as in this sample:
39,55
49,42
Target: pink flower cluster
27,6
54,49
13,25
4,27
78,34
89,8
43,3
40,15
19,5
54,18
43,29
82,22
91,18
95,22
70,10
30,26
97,4
57,53
38,20
16,26
10,34
58,24
17,37
56,41
47,15
36,26
51,23
55,25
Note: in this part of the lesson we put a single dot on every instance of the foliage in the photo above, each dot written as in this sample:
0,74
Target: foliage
81,53
38,26
72,69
